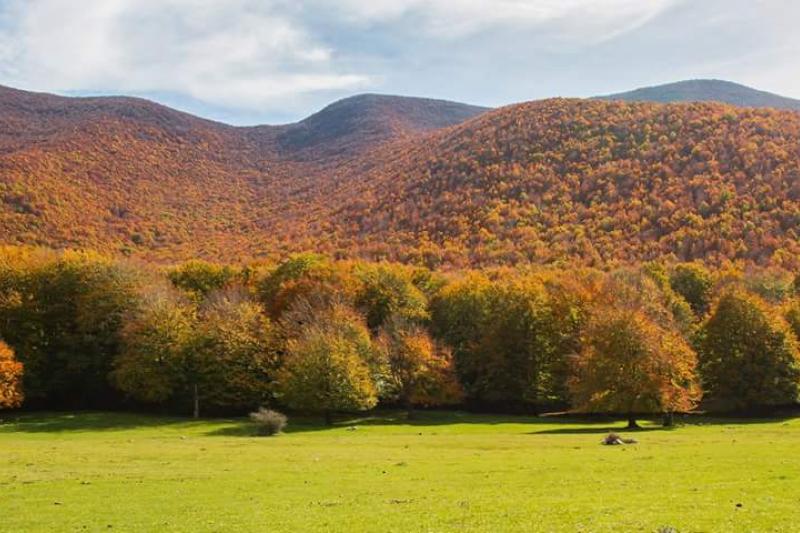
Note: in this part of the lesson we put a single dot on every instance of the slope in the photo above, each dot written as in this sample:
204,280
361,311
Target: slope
707,91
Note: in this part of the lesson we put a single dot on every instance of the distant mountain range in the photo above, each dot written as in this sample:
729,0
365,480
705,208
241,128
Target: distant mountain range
707,91
411,179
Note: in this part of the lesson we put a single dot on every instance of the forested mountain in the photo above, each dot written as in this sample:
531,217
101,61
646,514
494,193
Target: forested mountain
415,180
132,176
363,121
600,181
725,92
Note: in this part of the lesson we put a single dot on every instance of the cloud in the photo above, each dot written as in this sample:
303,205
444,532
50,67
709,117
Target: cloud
250,61
579,20
238,53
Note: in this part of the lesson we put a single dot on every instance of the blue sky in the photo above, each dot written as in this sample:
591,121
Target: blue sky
274,61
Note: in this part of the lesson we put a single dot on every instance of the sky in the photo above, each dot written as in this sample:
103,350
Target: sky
276,61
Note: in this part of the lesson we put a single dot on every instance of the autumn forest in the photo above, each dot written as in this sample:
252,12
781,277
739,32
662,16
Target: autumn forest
422,182
599,256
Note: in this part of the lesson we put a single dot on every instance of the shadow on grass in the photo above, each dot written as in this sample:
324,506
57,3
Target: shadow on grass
604,429
565,424
54,422
429,420
571,424
304,424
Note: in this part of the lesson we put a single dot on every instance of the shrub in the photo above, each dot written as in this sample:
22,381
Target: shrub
268,422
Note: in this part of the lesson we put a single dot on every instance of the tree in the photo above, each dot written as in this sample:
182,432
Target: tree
693,282
302,276
421,372
511,339
155,342
748,354
329,365
200,278
63,314
460,311
517,344
388,290
237,344
792,315
221,356
11,371
629,364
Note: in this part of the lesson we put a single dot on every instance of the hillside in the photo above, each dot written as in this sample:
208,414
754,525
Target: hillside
707,91
604,182
132,176
364,121
581,180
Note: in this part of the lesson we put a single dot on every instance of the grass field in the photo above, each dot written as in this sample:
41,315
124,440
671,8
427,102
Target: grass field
444,472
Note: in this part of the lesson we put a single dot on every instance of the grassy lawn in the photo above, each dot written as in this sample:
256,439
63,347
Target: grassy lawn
444,472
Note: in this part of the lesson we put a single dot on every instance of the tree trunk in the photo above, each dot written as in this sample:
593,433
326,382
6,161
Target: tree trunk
668,420
409,409
632,422
196,402
328,417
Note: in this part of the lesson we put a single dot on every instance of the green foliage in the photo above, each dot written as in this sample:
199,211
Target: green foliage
517,344
459,314
511,338
200,277
330,365
694,283
748,354
387,291
63,314
222,356
155,342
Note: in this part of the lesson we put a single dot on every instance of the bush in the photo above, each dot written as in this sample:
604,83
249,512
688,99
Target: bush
268,422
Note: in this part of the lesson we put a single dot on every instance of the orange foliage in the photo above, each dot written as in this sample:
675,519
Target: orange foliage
589,181
10,378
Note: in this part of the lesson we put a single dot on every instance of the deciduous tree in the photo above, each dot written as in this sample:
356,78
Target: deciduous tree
421,372
748,354
631,365
329,365
11,394
694,283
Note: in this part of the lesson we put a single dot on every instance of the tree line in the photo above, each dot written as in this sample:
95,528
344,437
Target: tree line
83,330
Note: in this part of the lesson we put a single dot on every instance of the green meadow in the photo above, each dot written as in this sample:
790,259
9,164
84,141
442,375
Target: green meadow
440,472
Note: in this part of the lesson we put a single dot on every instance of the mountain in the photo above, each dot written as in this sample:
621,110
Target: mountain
132,176
363,121
560,180
587,181
707,91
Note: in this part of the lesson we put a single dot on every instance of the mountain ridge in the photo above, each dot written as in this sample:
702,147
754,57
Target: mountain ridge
593,181
706,90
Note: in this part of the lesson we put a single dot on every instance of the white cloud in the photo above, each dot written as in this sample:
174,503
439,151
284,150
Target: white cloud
259,60
236,53
581,20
